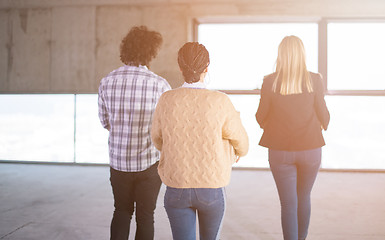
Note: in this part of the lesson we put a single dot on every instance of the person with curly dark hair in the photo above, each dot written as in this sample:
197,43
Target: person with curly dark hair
140,46
127,100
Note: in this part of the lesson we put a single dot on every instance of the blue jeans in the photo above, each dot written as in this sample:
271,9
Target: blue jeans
139,191
182,205
294,174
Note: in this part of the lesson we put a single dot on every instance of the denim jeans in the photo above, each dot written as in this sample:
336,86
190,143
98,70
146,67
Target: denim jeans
182,205
294,174
134,190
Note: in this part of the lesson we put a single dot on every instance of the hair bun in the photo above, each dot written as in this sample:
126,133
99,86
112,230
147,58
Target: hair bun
193,59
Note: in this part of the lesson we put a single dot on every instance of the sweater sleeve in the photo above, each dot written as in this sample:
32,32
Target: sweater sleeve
234,131
321,109
156,129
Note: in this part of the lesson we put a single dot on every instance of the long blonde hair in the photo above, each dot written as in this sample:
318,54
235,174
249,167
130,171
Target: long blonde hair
291,67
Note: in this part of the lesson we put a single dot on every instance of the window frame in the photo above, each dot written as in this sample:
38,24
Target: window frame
322,62
322,45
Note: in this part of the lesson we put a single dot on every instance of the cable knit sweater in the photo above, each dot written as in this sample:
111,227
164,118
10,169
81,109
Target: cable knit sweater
198,131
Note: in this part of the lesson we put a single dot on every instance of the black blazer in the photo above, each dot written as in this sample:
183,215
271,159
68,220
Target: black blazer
292,122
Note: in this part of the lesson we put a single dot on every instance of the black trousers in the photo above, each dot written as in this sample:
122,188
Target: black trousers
139,191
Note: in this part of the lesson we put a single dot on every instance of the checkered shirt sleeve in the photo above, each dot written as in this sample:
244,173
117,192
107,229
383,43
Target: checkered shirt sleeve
127,99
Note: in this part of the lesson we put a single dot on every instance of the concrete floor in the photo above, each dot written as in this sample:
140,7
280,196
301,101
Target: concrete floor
54,202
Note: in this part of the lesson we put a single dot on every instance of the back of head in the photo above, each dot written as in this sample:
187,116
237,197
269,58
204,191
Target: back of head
291,67
140,46
193,59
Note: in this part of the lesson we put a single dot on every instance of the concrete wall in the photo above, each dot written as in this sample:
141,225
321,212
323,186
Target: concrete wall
67,46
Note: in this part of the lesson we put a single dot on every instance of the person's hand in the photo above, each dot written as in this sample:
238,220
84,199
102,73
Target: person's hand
237,158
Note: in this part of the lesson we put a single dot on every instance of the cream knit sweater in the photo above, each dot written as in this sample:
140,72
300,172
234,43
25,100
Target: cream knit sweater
197,131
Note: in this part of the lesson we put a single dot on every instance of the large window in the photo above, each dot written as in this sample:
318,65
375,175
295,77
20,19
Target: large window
52,128
356,53
356,83
91,138
241,54
37,128
347,53
356,135
66,128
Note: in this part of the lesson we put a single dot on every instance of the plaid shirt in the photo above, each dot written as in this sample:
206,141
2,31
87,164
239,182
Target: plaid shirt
127,100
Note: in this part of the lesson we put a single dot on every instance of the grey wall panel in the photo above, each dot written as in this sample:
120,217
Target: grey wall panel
73,49
4,49
172,23
67,46
30,50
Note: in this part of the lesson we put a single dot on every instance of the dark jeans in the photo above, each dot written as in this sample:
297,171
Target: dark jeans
141,189
294,174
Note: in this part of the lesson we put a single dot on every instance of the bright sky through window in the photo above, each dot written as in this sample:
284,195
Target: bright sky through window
242,54
356,56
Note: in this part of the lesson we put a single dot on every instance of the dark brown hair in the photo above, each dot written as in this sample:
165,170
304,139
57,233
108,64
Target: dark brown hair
193,59
140,46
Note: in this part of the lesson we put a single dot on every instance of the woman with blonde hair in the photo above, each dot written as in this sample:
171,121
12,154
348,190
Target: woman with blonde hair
292,112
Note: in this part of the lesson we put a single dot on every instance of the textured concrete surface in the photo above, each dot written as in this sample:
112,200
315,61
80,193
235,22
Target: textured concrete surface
73,49
54,202
66,46
4,48
29,60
